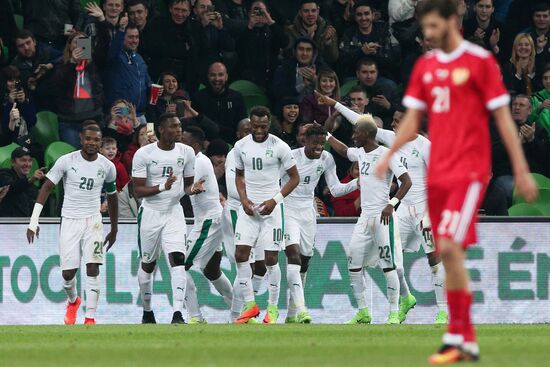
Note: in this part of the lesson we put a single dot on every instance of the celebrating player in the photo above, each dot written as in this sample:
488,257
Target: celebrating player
84,174
457,85
162,172
375,238
205,239
301,216
414,226
261,156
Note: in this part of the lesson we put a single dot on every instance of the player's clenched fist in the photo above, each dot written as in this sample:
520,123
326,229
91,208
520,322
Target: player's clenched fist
248,207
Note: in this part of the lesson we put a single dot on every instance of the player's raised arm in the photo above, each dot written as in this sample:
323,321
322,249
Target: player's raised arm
348,113
337,188
525,184
43,195
407,131
337,145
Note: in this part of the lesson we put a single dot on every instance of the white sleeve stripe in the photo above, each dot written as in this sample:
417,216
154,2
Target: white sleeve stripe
415,103
497,102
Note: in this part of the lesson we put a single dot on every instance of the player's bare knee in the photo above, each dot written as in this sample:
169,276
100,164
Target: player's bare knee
271,258
242,253
293,255
176,259
68,274
259,268
433,259
148,267
212,270
92,270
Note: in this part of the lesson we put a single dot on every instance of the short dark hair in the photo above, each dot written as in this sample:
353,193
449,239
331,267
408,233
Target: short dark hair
303,2
196,133
315,130
91,127
87,123
24,34
260,111
131,26
163,119
11,72
541,6
477,1
362,3
162,75
357,89
171,3
137,2
445,8
366,61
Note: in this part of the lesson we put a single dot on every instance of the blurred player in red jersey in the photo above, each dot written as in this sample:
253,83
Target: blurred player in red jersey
458,85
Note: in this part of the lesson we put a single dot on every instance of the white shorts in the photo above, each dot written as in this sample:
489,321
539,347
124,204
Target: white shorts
203,241
160,229
80,238
300,228
229,221
375,244
261,231
412,237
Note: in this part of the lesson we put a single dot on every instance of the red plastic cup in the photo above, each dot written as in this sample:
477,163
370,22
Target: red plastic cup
155,93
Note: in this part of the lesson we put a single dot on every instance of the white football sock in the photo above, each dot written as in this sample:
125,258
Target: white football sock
145,281
438,281
224,288
237,303
274,282
403,286
294,281
392,281
243,281
292,311
358,287
257,281
191,300
92,296
179,281
69,286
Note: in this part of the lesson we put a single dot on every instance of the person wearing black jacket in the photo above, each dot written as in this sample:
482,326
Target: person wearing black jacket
219,103
19,190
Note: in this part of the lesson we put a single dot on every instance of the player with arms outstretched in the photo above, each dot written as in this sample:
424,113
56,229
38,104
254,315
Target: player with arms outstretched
84,174
458,85
261,157
162,173
375,239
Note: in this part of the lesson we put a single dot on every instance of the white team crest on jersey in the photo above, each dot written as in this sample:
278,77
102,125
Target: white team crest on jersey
319,170
442,74
180,161
460,76
101,173
427,78
269,152
415,152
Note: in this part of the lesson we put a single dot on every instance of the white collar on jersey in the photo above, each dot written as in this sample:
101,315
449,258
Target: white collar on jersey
455,54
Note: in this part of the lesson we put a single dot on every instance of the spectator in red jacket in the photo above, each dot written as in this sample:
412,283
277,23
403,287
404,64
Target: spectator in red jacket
350,204
110,151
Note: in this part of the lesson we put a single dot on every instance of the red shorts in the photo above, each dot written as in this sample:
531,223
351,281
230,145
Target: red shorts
453,210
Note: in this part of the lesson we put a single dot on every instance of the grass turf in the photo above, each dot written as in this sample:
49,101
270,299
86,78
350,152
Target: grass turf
257,345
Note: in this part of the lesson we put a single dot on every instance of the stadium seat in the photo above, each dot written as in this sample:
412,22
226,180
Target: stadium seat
46,130
542,181
18,21
56,150
5,155
524,210
84,2
344,89
246,87
255,100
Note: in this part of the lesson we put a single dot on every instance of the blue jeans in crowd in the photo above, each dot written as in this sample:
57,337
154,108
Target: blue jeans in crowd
70,133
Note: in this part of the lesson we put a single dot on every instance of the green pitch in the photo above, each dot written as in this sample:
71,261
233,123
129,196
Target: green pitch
259,345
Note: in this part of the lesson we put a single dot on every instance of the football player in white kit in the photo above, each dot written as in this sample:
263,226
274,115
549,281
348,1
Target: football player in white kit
84,174
204,243
312,162
375,239
414,223
162,173
260,157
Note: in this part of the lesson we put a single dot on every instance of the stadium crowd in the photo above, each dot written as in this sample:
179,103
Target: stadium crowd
65,62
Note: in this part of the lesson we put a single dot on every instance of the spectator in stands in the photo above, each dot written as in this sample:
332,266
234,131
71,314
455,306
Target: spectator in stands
243,128
381,91
127,76
327,84
217,44
8,29
234,12
483,29
173,43
221,104
80,92
217,151
285,124
140,139
339,14
18,111
301,134
165,102
540,29
308,23
110,151
520,74
348,205
36,62
138,13
296,77
367,38
190,117
540,102
47,19
122,122
534,139
18,190
259,45
107,22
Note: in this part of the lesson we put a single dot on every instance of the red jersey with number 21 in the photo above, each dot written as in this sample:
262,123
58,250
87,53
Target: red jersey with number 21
457,90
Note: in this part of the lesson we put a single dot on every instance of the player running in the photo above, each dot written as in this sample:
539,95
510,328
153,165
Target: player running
457,86
260,157
375,239
204,243
84,174
162,173
301,215
414,224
